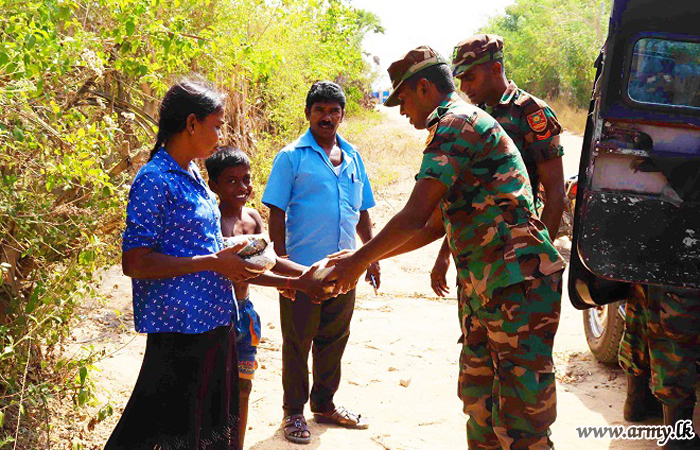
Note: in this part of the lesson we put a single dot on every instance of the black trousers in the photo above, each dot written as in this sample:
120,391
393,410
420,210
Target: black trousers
186,395
327,327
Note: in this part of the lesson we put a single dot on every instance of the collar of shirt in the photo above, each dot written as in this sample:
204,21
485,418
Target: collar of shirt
167,163
505,100
307,140
508,94
442,108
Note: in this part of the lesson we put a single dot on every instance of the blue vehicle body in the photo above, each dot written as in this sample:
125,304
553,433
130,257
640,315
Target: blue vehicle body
637,215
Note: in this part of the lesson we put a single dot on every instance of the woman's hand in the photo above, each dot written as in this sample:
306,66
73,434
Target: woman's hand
232,266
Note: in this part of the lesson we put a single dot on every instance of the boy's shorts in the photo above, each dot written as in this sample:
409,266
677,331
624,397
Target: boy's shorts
247,339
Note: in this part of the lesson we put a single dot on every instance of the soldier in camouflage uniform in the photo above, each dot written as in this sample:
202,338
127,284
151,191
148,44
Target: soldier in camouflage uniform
673,325
633,357
473,184
662,331
528,121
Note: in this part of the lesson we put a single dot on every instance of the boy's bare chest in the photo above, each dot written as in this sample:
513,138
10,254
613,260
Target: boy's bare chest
231,226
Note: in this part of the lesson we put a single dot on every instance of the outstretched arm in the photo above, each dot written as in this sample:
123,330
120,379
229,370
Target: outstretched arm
405,225
147,263
316,289
432,231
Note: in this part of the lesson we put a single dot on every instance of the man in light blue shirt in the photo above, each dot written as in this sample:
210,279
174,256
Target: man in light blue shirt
319,195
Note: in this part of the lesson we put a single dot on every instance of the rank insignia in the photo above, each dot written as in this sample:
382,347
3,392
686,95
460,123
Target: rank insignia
537,121
542,137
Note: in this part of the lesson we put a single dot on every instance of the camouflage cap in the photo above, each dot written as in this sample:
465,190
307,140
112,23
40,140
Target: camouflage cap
476,50
410,64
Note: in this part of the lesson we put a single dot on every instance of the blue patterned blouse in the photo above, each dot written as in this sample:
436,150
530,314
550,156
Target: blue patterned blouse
173,212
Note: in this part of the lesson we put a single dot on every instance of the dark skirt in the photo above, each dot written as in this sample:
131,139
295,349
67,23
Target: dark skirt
186,395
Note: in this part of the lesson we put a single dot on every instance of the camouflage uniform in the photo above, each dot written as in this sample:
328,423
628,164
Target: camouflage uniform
528,121
509,272
668,321
634,346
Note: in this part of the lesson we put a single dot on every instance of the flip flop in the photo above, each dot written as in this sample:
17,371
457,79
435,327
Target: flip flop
344,418
296,425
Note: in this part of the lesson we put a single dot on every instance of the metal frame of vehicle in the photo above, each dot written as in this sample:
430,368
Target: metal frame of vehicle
637,202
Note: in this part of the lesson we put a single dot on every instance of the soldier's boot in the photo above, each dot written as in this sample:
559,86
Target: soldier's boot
673,414
640,403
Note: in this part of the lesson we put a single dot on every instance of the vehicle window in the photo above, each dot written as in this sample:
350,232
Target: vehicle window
665,72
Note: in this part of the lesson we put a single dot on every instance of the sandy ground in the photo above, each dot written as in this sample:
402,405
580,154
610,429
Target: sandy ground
400,367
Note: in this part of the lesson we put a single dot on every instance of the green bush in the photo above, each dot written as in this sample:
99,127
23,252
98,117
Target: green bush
79,89
550,45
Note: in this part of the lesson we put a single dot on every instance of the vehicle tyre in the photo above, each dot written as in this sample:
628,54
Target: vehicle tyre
604,327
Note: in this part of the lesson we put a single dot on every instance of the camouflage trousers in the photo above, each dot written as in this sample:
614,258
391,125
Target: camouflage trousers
633,355
667,322
506,378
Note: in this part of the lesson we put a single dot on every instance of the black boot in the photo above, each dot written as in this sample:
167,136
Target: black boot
640,403
673,414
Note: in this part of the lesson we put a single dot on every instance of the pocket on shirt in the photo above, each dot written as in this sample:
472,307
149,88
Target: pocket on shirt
355,194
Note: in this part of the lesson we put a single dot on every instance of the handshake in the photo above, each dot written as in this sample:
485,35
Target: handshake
329,277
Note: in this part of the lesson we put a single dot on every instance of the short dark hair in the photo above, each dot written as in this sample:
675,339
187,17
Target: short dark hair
440,75
325,92
182,99
225,157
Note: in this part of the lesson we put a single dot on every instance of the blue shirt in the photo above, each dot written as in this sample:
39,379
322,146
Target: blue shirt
173,212
322,208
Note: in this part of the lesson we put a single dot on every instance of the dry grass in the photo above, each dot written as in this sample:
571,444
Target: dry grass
572,118
389,145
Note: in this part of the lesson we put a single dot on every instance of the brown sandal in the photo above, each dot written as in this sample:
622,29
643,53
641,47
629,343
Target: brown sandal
296,430
344,418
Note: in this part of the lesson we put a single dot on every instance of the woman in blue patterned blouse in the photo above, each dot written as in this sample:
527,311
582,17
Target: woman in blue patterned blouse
186,395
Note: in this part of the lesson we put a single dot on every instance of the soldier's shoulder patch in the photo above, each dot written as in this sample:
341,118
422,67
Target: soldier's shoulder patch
431,134
537,121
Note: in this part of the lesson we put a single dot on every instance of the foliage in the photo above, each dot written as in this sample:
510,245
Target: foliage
79,88
550,45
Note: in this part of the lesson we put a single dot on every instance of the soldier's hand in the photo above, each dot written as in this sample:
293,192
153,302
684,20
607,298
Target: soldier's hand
438,277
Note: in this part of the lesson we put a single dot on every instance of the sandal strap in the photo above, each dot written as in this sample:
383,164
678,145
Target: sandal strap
295,423
342,414
346,413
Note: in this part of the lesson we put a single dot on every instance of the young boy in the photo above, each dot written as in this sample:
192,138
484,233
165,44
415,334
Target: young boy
229,178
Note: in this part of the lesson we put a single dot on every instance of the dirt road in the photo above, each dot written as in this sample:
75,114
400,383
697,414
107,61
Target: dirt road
400,367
